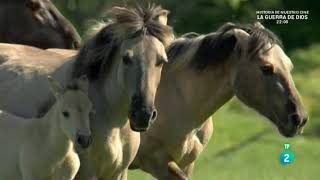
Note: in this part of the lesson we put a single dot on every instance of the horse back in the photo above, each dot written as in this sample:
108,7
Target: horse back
23,78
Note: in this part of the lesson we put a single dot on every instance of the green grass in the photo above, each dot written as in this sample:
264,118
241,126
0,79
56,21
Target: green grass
246,146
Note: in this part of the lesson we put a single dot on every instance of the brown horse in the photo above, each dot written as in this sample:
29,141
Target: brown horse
36,23
206,71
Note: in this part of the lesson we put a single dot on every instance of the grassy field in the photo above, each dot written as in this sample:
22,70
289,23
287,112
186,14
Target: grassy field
246,146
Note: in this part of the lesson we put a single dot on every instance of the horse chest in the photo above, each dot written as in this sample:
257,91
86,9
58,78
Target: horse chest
65,168
107,154
114,151
68,168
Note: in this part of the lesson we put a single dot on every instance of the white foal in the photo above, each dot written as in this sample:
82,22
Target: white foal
44,148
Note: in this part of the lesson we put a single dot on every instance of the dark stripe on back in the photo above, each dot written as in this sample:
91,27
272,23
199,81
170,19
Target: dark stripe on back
213,50
177,48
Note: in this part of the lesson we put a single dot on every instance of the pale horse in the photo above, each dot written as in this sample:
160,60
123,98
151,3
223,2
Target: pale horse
46,148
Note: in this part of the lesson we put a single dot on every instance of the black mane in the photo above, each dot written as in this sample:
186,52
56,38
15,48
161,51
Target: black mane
259,36
214,48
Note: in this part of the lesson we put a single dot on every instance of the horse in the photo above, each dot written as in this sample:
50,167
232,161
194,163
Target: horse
45,148
205,72
123,63
36,23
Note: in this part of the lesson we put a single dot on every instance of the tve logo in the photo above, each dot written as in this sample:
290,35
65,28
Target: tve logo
287,156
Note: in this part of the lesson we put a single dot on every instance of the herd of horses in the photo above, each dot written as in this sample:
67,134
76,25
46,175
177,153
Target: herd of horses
103,109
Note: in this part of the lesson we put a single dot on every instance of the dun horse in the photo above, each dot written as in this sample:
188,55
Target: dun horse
123,62
45,148
205,73
36,23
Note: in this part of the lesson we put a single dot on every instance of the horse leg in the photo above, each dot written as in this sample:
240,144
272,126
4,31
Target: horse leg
85,171
117,177
163,168
199,142
189,169
174,169
204,135
205,132
124,175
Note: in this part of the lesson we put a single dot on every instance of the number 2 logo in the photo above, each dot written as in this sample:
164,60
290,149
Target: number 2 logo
286,158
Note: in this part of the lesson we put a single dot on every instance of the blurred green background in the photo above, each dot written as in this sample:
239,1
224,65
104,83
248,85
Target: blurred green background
244,145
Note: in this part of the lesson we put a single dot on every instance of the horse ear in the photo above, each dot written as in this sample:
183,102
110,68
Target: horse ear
83,83
242,37
55,87
240,34
258,25
162,18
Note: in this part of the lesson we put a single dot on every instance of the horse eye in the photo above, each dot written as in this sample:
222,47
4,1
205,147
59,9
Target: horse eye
65,114
160,62
267,70
127,60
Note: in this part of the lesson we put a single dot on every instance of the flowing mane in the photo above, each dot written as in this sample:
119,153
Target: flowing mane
96,56
202,51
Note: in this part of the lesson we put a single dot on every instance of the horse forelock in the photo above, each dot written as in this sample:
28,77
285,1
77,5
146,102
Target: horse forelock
130,21
98,53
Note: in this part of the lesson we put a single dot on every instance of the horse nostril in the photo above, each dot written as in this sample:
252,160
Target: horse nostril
84,141
80,140
134,115
304,121
154,115
90,140
294,118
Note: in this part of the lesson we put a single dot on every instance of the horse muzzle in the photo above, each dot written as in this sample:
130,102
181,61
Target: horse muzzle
142,113
140,121
83,141
294,126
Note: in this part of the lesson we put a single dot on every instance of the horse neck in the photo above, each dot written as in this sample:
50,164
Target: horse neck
199,93
53,138
109,100
64,73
